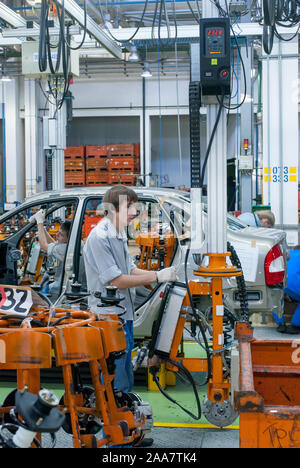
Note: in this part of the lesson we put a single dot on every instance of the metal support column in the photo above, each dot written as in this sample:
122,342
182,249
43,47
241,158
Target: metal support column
217,183
14,142
31,135
280,94
246,125
217,171
147,137
58,168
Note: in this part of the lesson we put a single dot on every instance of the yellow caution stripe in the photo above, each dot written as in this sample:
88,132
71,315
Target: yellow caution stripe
191,425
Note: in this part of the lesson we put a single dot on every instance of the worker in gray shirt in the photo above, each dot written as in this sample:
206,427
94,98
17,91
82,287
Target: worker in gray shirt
107,261
56,250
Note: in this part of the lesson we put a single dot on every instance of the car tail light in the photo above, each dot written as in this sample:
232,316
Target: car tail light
274,266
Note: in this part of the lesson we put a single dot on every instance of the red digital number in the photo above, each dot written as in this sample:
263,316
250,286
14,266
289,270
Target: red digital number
215,32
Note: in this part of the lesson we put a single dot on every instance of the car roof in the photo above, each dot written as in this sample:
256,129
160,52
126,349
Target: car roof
94,191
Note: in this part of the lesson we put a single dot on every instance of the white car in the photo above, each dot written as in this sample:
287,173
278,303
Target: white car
159,237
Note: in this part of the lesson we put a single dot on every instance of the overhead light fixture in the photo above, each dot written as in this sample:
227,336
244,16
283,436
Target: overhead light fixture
146,73
34,3
133,56
107,21
5,78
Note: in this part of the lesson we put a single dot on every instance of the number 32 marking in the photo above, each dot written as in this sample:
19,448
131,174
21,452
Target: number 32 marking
12,300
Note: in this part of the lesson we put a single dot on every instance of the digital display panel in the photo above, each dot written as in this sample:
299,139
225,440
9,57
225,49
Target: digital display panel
215,32
214,42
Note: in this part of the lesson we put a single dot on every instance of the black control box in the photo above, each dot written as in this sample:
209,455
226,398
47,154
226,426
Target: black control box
215,69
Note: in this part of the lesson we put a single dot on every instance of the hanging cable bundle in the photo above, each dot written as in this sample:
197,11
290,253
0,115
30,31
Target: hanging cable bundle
59,76
283,13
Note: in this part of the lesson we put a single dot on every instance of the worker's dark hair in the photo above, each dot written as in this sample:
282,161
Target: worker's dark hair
267,214
66,226
115,195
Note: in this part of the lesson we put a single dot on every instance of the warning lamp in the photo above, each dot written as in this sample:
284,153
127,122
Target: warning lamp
246,144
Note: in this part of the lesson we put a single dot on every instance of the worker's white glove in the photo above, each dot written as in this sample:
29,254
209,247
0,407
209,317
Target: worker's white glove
38,217
167,274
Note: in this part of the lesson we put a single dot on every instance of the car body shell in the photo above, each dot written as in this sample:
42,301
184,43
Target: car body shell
262,299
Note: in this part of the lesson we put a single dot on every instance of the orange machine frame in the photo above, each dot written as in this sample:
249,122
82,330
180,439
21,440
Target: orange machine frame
78,337
149,242
268,397
218,387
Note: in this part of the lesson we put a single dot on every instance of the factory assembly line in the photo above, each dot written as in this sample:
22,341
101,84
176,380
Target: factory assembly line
243,377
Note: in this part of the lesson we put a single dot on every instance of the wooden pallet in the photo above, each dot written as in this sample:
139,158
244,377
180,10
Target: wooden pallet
121,150
74,152
99,178
75,177
114,179
121,164
74,164
94,151
93,164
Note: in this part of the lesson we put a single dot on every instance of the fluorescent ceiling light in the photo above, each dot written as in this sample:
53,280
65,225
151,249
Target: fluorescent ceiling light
5,78
133,56
34,3
146,73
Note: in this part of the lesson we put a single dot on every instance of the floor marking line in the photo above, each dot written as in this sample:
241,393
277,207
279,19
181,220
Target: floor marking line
191,425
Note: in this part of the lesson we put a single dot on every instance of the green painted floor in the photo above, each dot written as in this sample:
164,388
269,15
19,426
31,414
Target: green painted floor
167,413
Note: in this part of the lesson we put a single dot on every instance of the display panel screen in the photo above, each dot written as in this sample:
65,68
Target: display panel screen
214,42
215,32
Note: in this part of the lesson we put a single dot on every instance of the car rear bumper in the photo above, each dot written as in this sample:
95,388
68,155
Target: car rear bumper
266,301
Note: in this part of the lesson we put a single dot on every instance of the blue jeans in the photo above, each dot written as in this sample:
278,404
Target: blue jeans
296,297
123,380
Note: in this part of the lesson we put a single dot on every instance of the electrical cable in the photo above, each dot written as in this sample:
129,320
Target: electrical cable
58,84
193,13
197,320
226,14
283,13
84,27
153,371
154,19
167,21
175,19
136,31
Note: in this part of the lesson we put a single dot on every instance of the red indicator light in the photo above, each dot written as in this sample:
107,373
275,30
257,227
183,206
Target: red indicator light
246,144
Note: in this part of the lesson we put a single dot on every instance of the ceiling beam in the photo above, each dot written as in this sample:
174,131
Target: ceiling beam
93,28
28,32
192,31
13,18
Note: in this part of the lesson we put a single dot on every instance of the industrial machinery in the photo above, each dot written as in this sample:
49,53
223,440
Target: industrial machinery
33,414
27,343
157,249
267,393
210,82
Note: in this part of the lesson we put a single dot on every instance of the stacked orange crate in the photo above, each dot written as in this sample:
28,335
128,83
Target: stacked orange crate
137,166
96,165
74,166
121,164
